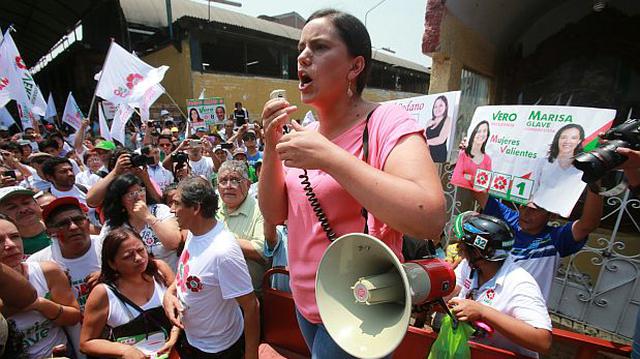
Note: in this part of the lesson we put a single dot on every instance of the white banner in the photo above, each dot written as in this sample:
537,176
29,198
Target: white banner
104,127
72,114
51,112
120,120
125,79
437,114
109,109
525,153
15,75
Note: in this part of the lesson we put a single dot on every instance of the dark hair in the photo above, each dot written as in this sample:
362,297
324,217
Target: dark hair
49,166
446,105
222,107
146,150
197,113
114,211
354,35
166,137
197,190
165,193
555,150
48,144
116,154
110,246
473,135
11,147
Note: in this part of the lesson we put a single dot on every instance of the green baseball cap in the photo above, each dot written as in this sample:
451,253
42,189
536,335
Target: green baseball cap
106,145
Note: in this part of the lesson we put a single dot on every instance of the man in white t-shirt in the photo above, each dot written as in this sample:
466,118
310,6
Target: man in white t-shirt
212,297
200,164
74,249
495,290
59,172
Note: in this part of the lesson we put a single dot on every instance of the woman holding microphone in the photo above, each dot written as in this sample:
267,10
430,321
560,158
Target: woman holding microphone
358,155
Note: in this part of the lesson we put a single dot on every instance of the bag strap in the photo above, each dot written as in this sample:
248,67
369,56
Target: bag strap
125,299
365,155
137,307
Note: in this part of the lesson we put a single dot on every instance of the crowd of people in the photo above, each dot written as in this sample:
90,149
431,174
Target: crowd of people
161,243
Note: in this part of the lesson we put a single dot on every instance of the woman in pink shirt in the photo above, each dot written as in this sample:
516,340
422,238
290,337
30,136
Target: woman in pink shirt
473,157
397,183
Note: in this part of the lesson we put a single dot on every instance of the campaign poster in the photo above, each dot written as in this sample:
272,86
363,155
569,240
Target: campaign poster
210,110
437,114
525,154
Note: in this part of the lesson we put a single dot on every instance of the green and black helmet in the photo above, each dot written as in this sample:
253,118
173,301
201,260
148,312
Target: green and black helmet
491,236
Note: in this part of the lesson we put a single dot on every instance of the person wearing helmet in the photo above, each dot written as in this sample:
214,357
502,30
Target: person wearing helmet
493,289
538,247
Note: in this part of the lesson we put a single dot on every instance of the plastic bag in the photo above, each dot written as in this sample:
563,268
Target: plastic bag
452,343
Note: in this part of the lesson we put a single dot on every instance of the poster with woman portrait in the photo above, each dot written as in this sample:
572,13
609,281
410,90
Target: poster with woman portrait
437,114
524,154
207,111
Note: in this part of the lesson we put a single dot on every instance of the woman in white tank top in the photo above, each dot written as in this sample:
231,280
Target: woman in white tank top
56,306
132,283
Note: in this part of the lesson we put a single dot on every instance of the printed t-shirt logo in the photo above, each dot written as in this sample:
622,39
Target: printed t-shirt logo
194,283
183,270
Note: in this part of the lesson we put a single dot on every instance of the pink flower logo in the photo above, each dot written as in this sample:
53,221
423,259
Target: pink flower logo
183,270
500,183
4,82
194,283
20,63
133,80
482,178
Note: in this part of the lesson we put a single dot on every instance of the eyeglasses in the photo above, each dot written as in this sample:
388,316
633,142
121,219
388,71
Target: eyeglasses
232,181
136,194
77,220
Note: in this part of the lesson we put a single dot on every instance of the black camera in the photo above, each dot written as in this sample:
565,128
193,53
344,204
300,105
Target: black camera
140,160
595,164
179,157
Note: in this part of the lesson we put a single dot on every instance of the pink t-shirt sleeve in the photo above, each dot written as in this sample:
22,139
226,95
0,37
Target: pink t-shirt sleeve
387,126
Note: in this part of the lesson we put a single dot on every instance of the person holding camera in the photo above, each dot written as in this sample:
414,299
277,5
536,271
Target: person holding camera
158,174
122,162
199,163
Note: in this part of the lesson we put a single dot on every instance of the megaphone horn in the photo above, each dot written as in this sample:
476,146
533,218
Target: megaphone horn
365,294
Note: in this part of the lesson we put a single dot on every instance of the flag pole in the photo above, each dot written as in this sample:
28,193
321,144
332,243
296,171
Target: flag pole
174,102
93,99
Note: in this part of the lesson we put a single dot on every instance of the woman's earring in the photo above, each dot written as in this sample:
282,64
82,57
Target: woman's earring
349,92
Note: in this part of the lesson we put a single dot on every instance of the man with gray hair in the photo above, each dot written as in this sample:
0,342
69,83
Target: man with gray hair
212,282
241,215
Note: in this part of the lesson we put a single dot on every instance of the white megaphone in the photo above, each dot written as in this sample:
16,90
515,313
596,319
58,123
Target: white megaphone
365,294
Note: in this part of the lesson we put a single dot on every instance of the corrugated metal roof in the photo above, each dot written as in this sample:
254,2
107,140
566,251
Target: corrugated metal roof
153,13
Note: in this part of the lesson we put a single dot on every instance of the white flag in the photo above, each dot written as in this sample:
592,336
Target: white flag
109,110
15,75
201,97
149,98
27,117
5,91
125,78
6,119
104,127
72,114
120,120
51,108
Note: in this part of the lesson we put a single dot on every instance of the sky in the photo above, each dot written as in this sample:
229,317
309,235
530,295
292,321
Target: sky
394,24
